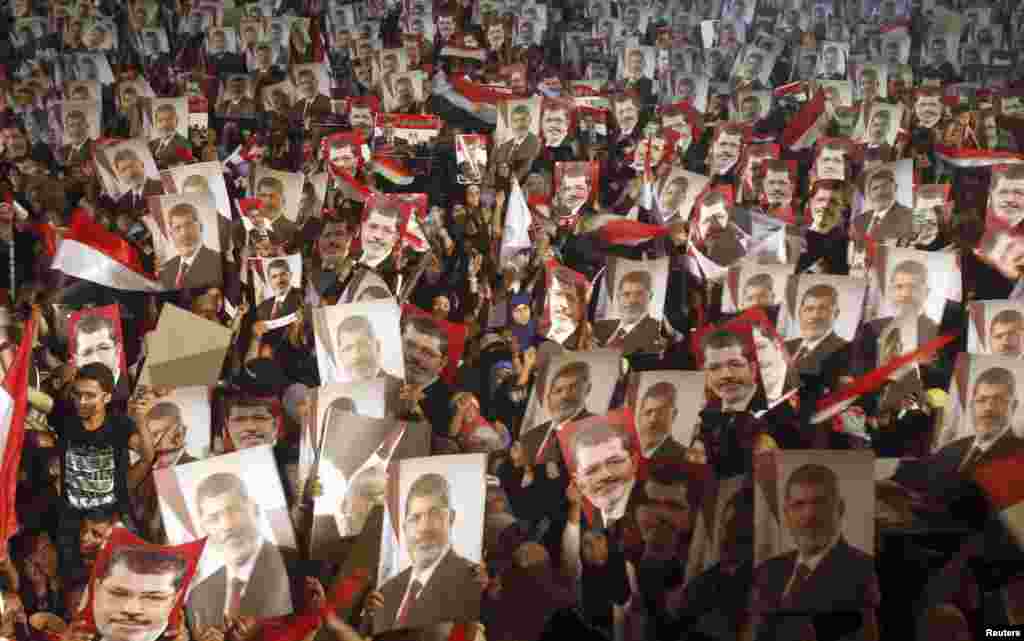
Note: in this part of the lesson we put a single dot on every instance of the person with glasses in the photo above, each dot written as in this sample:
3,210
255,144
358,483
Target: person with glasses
439,585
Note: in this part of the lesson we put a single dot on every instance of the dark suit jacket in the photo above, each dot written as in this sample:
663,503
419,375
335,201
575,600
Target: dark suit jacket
204,271
844,581
451,594
244,107
320,107
643,337
168,154
76,157
521,160
670,450
897,225
292,302
267,594
823,353
943,466
151,188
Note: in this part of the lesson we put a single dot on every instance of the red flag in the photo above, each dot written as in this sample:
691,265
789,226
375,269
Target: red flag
622,231
14,406
803,130
90,252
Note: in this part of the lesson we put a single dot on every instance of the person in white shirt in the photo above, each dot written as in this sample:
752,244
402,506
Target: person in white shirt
254,579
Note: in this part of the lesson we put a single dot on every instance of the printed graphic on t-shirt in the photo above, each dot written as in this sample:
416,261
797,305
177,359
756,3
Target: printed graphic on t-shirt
89,476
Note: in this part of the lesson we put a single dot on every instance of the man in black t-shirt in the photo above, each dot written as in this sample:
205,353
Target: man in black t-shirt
95,466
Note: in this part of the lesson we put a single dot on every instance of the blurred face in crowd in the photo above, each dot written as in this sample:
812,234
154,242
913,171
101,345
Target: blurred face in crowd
812,515
878,129
729,374
166,121
134,606
757,295
882,191
714,220
89,398
76,129
251,425
361,118
92,536
627,115
817,314
334,240
343,157
307,84
359,354
604,473
232,522
555,126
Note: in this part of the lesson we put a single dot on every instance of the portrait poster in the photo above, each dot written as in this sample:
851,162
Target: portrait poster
565,305
160,106
270,281
456,333
882,125
471,158
280,192
83,90
363,329
851,296
838,93
179,422
896,265
958,421
247,479
833,159
995,327
126,155
171,571
1005,210
775,532
752,105
237,96
203,178
594,375
186,240
749,285
79,120
654,396
623,273
517,118
355,455
278,97
450,491
678,192
95,335
403,91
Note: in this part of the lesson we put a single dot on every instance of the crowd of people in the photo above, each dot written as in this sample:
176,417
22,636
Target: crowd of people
602,319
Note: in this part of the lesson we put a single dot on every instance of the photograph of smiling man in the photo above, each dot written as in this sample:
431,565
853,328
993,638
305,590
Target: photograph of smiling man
186,240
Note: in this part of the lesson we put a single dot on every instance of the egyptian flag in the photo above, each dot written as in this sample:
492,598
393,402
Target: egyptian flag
90,252
622,232
809,123
13,409
391,169
970,158
1003,482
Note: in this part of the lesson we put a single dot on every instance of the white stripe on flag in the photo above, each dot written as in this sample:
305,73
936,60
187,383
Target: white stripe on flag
516,235
77,259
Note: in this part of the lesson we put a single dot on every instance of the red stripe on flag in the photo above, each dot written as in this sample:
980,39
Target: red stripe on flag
460,632
15,384
88,232
630,232
874,379
804,120
476,92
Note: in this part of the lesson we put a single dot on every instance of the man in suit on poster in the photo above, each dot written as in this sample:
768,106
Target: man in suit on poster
286,299
818,343
195,265
886,220
824,573
254,579
167,141
519,152
440,585
635,330
656,413
359,352
131,172
315,105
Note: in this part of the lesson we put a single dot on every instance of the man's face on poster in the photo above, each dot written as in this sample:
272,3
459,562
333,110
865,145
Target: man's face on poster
520,123
878,128
729,373
446,27
359,354
131,171
907,293
714,220
881,191
134,606
343,157
98,347
634,299
496,37
627,115
928,110
750,109
565,304
280,280
832,164
778,188
567,395
758,295
770,361
605,472
808,62
1007,338
831,58
379,234
992,406
635,63
824,212
574,191
251,426
218,42
361,118
166,122
726,151
555,125
1008,199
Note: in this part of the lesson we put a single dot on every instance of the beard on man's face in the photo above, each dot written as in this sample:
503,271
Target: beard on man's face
724,247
